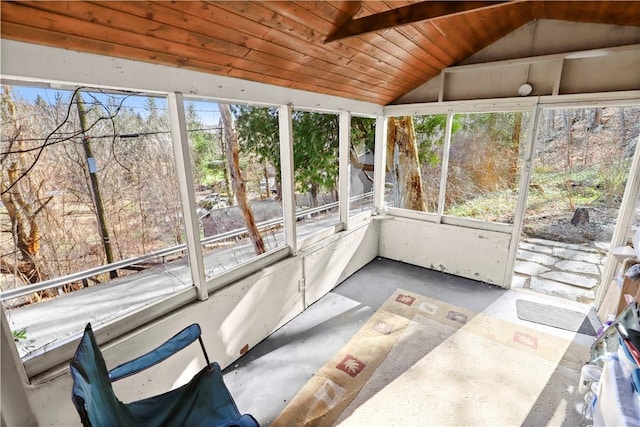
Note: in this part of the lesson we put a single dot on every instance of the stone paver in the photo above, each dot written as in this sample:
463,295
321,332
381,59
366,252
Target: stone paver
574,255
571,279
577,267
520,281
543,249
537,258
552,287
530,268
574,246
571,271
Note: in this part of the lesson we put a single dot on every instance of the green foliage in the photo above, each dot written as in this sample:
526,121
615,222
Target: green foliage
315,143
258,134
315,152
430,131
363,133
612,179
598,185
496,206
19,334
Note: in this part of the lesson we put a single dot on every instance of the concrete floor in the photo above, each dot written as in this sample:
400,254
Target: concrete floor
271,374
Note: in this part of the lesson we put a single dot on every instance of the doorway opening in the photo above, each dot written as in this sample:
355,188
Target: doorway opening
580,168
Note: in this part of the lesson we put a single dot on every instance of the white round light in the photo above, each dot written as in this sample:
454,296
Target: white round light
525,89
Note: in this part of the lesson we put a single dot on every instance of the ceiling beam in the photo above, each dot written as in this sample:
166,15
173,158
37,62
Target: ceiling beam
407,15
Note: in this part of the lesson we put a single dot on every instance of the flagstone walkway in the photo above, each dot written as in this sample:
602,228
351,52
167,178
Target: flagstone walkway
566,270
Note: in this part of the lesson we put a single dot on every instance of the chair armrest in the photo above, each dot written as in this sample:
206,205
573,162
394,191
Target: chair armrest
174,344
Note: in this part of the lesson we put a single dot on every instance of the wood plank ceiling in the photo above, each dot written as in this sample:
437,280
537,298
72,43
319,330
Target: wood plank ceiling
382,49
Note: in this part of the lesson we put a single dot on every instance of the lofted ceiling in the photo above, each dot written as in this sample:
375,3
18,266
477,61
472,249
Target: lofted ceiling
373,51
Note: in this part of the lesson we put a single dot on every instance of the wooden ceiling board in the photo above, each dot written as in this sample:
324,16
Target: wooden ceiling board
416,44
299,37
196,17
489,25
314,78
303,12
81,44
36,16
283,42
420,38
269,54
104,23
373,57
298,13
314,75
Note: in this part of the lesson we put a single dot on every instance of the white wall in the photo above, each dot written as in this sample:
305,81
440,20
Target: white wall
242,314
467,252
12,392
555,57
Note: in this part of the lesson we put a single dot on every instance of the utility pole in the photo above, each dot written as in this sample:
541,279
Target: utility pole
93,183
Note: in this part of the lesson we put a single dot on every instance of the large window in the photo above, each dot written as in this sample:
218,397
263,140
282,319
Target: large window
89,200
235,157
482,159
414,162
484,165
92,218
315,162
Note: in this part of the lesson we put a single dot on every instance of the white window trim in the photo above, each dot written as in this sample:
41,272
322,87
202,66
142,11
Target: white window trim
180,143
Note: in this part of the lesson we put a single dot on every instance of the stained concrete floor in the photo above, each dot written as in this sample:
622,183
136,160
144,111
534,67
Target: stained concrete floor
271,374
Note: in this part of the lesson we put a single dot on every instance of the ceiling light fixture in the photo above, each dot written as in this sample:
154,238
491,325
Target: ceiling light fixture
525,89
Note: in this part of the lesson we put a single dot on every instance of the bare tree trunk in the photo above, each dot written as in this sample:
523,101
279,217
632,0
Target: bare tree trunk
595,119
621,127
402,160
267,189
227,173
93,184
231,148
24,228
313,196
568,121
515,149
278,190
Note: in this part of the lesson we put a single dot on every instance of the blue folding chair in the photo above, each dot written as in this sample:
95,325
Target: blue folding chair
203,401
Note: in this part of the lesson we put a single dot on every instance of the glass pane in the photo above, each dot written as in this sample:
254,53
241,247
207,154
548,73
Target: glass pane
361,159
239,203
582,160
315,160
484,165
88,180
415,162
